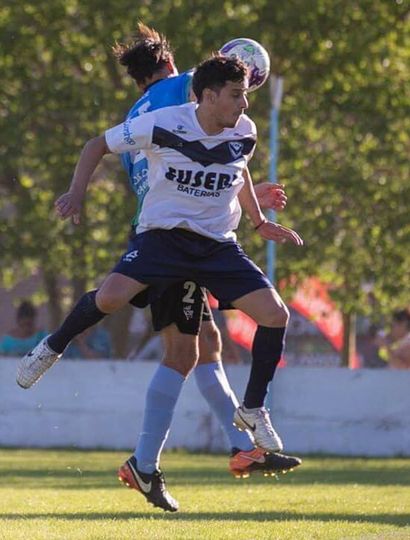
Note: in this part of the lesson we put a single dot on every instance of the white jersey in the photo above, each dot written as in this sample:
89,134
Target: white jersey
193,178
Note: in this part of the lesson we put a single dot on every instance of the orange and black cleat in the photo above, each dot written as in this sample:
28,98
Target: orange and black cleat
151,485
244,463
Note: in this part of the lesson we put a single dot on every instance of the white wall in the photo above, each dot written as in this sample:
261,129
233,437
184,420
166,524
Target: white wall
90,404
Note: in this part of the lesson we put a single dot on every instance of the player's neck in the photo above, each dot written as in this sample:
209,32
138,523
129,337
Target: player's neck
208,122
163,73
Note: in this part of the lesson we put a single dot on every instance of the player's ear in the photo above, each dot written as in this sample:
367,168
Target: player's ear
171,68
208,95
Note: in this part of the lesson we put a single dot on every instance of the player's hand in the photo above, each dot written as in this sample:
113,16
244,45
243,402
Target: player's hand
271,196
69,205
279,233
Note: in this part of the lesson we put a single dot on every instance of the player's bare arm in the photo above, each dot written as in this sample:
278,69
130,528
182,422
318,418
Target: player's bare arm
267,229
248,201
69,204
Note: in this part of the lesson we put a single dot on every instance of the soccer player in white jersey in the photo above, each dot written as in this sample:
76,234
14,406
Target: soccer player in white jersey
222,179
197,154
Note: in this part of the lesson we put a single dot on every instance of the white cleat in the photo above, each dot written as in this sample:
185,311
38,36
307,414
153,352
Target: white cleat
35,363
258,423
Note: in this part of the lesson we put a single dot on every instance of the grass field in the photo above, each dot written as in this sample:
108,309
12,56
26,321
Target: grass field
49,494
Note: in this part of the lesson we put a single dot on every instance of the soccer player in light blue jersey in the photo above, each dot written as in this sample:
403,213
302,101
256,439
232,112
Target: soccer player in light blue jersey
149,62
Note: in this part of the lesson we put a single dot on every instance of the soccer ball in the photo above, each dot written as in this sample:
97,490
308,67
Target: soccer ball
253,55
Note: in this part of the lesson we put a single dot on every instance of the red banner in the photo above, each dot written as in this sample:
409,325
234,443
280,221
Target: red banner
241,328
312,301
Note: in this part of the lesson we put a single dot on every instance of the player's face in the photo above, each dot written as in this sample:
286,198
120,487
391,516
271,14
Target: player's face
230,102
27,325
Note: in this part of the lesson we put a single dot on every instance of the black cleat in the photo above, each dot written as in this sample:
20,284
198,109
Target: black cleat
151,485
242,463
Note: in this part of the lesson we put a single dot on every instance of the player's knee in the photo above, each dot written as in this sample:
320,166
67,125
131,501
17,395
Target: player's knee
276,316
181,353
183,363
107,302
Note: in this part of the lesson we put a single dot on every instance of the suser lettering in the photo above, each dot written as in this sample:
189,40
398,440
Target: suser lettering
208,180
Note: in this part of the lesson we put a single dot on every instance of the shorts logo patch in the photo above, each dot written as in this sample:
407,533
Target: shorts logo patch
129,257
188,312
236,149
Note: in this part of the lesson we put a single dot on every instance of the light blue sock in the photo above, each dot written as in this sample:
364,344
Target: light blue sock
160,401
215,388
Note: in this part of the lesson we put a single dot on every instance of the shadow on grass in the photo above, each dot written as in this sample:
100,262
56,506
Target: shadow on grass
386,519
86,479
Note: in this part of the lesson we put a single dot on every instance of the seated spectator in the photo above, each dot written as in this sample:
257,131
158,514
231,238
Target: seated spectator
368,347
25,335
397,343
95,342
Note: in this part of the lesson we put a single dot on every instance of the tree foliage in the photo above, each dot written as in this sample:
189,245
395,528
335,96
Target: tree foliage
343,139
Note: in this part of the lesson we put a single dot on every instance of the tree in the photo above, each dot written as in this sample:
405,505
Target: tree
344,134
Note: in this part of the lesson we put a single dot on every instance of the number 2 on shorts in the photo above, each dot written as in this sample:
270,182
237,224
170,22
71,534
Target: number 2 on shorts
190,286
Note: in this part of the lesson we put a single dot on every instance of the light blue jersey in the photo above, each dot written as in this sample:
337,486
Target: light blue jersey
163,93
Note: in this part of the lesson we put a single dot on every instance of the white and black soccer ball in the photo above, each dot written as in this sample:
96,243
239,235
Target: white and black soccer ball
253,55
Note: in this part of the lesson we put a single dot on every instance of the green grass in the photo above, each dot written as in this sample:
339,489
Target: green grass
47,494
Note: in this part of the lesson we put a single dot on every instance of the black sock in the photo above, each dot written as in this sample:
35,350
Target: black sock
267,349
84,315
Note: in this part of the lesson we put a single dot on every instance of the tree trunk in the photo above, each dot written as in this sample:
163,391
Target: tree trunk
349,339
79,286
54,299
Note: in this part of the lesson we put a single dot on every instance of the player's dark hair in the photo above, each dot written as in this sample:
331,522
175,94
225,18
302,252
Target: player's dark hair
148,52
26,310
402,316
215,72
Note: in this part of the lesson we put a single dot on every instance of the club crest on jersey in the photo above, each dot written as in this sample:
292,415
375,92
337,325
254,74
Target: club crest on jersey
236,149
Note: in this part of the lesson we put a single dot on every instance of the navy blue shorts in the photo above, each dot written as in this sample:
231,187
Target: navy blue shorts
161,258
184,304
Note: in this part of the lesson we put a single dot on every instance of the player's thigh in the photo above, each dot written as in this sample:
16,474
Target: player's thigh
116,291
181,350
265,307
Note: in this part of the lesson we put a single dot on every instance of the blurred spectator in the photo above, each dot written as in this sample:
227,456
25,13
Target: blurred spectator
95,342
397,343
368,347
25,335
